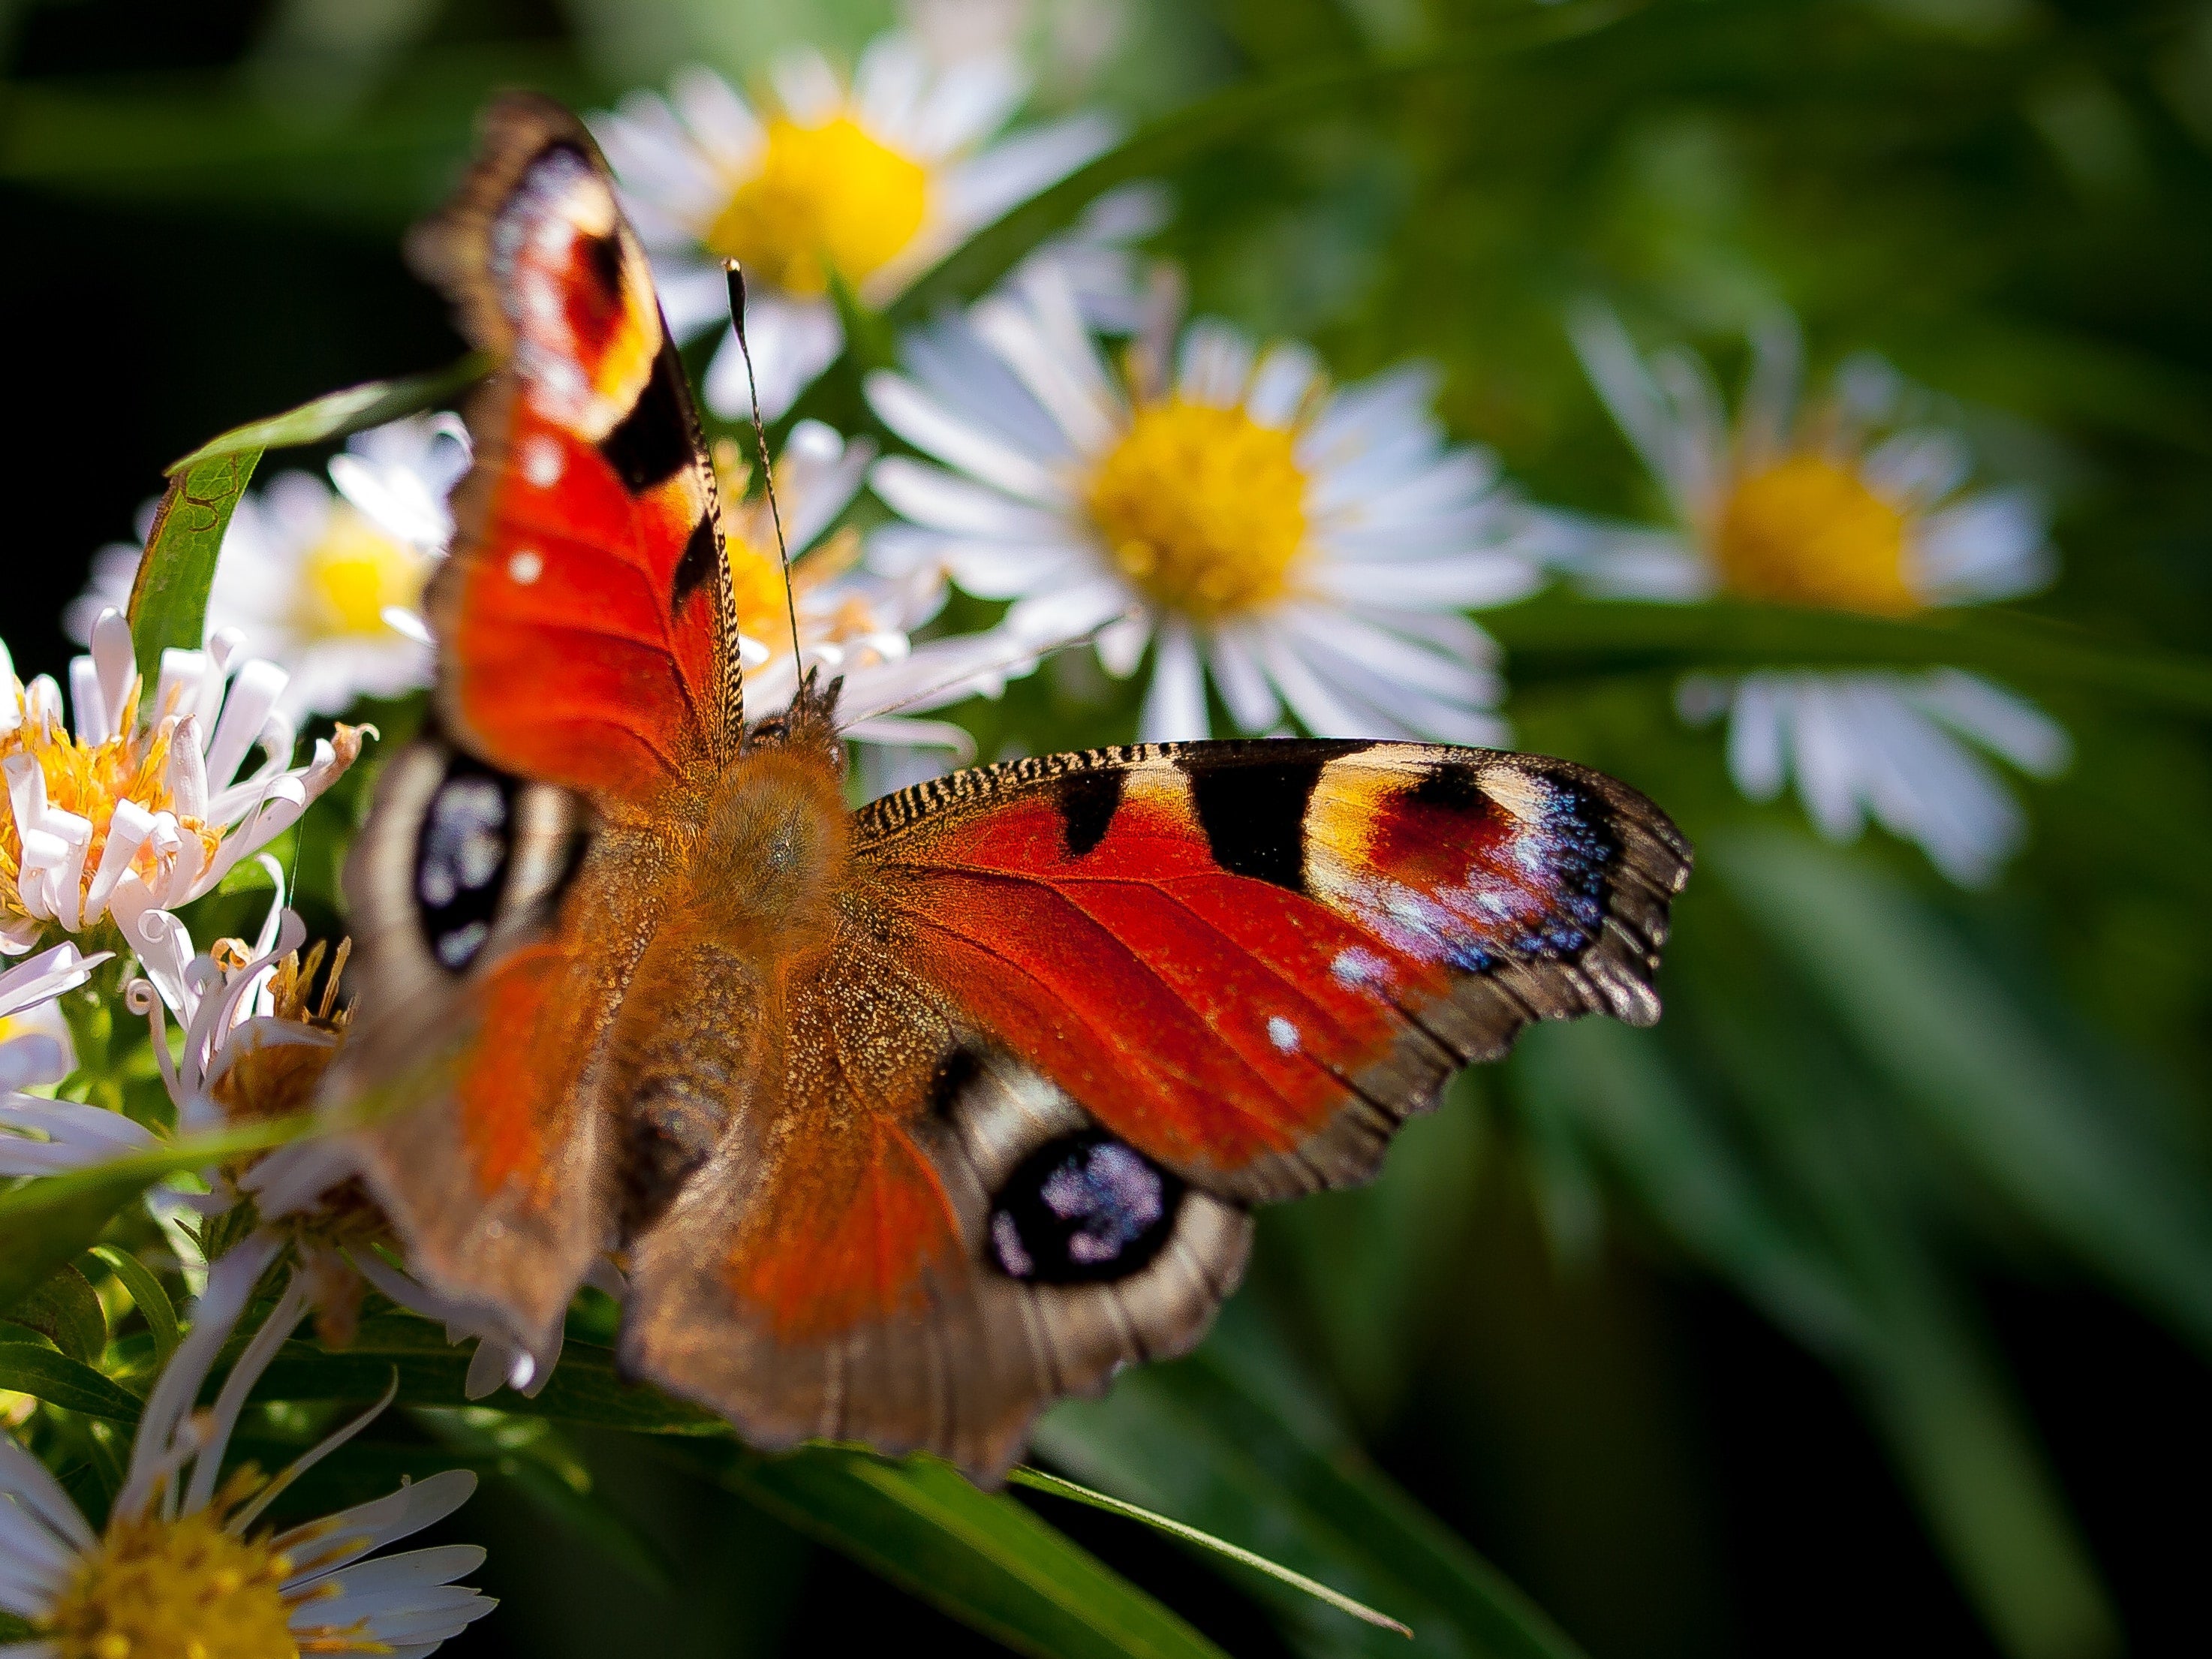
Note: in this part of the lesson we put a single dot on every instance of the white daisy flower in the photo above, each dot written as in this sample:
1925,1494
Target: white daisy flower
853,623
256,1044
137,806
1849,503
180,1568
1307,547
326,582
875,179
39,1135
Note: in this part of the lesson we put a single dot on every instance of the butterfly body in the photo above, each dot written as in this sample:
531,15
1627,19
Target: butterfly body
906,1121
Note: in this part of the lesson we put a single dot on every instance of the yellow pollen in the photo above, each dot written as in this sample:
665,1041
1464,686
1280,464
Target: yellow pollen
88,780
1203,508
174,1590
1809,531
349,578
822,199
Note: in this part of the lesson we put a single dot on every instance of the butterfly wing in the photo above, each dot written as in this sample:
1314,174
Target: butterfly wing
1077,1013
587,687
585,614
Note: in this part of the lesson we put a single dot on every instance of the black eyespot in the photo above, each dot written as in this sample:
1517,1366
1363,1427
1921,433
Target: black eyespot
1082,1209
462,855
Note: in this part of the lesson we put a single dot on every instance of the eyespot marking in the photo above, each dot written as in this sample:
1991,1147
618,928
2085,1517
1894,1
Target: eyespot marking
1083,1209
462,856
524,567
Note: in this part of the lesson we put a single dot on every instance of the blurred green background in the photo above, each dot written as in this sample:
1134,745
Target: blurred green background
1866,1302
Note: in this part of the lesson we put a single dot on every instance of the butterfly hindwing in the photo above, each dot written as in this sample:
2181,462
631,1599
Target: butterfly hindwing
469,910
584,616
1067,1018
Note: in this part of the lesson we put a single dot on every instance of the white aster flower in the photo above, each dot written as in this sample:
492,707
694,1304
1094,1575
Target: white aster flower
853,624
181,1570
137,806
1856,502
1304,546
326,582
39,1136
874,179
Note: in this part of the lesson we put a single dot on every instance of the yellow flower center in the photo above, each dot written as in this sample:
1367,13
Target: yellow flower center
88,780
350,577
1808,531
1203,508
174,1590
827,197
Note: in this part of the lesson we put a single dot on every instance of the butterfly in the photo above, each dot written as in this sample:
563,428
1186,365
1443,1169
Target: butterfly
904,1121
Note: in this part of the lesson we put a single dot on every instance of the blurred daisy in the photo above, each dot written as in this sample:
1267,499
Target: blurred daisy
181,1567
1852,504
257,1039
873,179
38,1135
134,806
326,582
852,623
1309,548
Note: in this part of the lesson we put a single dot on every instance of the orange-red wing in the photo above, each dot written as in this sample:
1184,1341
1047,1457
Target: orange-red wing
1253,960
584,617
488,964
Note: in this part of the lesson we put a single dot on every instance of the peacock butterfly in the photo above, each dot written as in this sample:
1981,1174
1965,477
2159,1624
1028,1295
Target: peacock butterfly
905,1122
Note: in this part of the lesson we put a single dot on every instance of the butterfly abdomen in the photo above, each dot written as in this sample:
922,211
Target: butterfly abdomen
755,902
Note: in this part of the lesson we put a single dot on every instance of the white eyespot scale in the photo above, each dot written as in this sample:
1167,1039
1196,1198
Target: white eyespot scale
1283,1034
541,462
524,567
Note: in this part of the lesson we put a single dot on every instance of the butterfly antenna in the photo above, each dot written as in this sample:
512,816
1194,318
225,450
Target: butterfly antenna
737,278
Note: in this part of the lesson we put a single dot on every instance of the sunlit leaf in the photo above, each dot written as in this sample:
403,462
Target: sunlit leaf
338,413
169,599
33,1368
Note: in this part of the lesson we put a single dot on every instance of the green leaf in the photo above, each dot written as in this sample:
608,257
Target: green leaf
1557,638
63,1309
980,1557
546,1469
56,1218
169,600
1934,1021
153,1302
1227,1440
1038,1481
1176,139
1843,1272
337,414
584,1388
33,1368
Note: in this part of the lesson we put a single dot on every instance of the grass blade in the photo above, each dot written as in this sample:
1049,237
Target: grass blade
1038,1481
